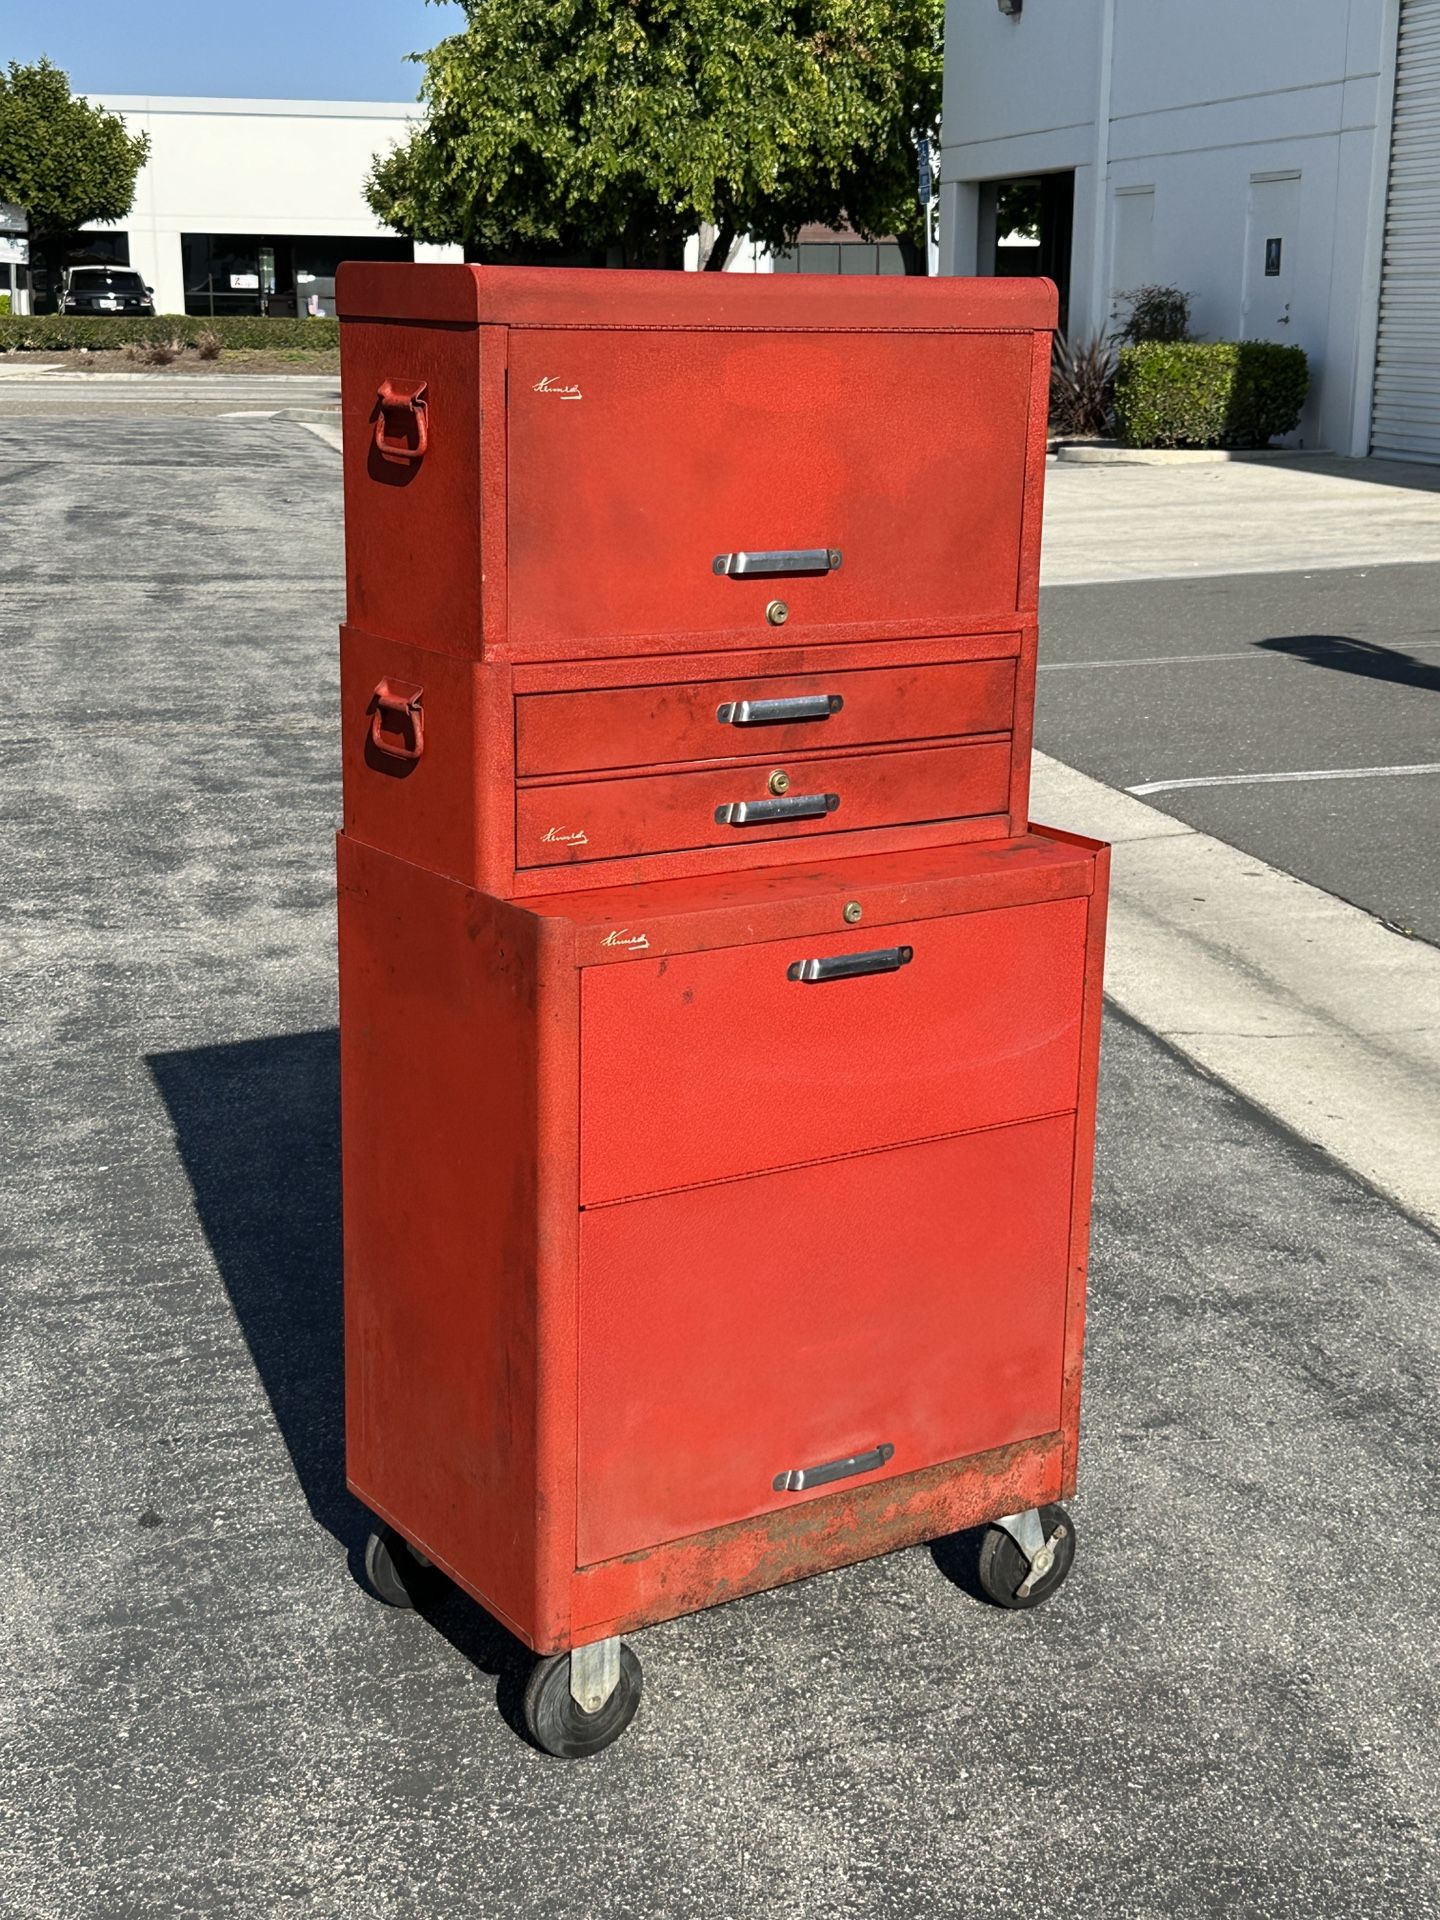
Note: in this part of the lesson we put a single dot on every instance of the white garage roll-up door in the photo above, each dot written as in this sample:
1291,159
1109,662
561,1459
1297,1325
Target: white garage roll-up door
1405,423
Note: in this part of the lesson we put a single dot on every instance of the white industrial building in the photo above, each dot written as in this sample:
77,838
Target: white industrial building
249,205
1278,159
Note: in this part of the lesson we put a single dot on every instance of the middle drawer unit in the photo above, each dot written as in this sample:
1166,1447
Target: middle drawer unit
527,780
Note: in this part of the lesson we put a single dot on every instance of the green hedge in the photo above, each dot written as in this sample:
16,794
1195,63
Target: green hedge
1232,393
59,333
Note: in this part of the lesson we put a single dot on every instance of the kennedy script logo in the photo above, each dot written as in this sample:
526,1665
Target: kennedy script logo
621,937
549,384
559,839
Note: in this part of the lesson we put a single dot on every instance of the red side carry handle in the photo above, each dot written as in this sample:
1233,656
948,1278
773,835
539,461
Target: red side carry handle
397,705
407,404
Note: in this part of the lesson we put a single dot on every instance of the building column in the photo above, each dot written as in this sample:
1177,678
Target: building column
959,226
156,257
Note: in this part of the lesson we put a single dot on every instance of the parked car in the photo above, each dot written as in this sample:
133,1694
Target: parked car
105,290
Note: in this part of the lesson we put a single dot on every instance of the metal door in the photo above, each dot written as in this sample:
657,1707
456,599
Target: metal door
1406,420
1270,236
1133,246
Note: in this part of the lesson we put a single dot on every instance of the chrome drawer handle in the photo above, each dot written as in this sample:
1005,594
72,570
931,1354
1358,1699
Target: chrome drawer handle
762,713
778,560
799,1478
844,966
795,806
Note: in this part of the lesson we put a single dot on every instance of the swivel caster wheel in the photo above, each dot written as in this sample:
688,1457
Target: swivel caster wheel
398,1575
1026,1556
578,1704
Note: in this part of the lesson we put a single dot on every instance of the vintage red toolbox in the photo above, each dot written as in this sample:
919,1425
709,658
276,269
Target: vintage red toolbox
716,1200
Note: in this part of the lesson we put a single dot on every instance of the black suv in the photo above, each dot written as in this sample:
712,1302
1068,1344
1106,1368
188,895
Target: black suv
105,290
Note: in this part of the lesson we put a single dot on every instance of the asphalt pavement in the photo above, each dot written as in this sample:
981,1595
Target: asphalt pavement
1230,1709
63,389
1222,679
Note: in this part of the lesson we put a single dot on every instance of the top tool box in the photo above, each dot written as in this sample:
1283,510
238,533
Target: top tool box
718,1038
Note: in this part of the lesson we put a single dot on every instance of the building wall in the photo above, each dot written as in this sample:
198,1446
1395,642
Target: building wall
1192,102
251,166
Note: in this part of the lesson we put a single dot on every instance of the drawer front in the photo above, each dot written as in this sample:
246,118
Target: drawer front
703,1066
912,1299
589,731
636,460
735,805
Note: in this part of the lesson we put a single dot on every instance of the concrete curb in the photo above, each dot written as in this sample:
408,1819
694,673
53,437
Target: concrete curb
1303,1004
1084,453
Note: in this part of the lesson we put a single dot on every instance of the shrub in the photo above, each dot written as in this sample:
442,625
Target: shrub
158,353
208,344
4,303
1237,393
1082,382
1156,313
63,332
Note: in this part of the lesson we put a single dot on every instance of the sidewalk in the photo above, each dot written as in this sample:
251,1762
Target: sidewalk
1256,516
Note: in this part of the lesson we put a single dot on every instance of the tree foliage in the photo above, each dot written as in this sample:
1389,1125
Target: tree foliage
566,126
66,162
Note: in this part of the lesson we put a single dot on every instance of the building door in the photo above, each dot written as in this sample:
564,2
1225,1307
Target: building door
1270,235
1405,418
1132,246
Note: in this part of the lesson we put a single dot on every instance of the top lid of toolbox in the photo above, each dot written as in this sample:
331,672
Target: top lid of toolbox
610,297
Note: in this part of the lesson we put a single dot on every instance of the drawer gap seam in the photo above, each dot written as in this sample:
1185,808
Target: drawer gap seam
828,1159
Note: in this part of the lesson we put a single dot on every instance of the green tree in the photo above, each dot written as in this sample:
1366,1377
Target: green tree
66,163
557,127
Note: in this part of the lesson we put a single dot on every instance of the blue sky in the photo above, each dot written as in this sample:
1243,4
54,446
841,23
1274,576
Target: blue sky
266,49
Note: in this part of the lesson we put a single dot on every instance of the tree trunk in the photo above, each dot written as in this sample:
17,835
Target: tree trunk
719,254
915,254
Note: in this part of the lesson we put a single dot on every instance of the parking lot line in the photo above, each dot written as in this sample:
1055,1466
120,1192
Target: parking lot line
1272,779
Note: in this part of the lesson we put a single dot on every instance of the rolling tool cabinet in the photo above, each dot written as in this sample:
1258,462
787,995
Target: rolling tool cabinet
718,1036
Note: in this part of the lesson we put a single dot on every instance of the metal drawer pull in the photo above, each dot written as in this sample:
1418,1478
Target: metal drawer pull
844,966
762,713
799,1478
779,560
795,806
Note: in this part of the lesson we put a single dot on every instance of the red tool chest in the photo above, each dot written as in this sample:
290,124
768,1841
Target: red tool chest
718,1038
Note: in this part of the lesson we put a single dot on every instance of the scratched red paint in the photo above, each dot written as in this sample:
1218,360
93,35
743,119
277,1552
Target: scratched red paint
636,1219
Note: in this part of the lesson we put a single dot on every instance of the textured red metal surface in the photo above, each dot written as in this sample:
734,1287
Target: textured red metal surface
479,1289
743,1067
564,297
595,729
636,1217
792,1543
460,1232
615,518
899,1297
677,810
530,484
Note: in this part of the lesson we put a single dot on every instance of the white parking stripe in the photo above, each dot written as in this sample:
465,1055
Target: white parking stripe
1271,779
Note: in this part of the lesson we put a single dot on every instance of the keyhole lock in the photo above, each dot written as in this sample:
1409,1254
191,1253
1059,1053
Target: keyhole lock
777,613
779,781
852,912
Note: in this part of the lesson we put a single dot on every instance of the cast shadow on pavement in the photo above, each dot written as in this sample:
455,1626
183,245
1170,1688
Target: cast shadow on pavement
1345,655
257,1126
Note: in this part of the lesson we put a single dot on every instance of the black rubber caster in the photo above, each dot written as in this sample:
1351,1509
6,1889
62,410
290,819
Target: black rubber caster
1004,1570
398,1575
556,1721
